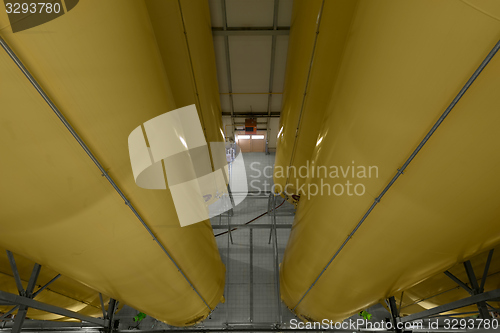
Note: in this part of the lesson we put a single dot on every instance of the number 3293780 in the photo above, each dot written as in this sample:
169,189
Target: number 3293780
40,7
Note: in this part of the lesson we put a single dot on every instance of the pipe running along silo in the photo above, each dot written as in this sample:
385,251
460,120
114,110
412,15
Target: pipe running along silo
62,292
103,65
400,66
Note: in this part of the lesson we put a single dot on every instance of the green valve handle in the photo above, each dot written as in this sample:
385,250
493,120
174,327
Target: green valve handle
365,315
139,317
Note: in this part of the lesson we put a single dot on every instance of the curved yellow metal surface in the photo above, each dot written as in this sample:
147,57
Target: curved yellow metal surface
440,289
401,66
307,87
300,49
64,292
102,65
169,24
190,64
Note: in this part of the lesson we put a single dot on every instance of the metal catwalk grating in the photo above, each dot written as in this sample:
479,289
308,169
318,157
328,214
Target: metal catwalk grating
251,272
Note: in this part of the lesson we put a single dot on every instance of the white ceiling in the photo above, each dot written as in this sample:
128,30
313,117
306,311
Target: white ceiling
250,55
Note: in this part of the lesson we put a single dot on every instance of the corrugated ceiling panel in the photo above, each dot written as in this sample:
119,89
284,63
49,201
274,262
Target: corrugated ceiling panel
250,63
250,13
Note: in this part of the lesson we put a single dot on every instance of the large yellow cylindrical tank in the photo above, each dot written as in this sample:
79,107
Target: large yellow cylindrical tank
307,88
102,65
401,66
189,66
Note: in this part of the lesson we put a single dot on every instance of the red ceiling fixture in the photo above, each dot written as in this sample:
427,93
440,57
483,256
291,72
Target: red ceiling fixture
250,126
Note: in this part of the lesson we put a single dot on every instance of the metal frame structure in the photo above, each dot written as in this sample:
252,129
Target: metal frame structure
391,302
26,300
478,297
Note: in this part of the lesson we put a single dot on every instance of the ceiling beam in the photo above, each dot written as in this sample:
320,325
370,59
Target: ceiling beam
251,115
250,31
256,93
251,226
261,123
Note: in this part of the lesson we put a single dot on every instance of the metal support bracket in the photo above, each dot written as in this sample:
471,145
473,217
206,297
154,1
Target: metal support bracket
15,272
394,314
21,300
453,305
112,305
483,309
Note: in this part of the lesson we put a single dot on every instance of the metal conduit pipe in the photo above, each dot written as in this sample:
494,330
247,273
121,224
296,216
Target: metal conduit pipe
61,117
408,161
